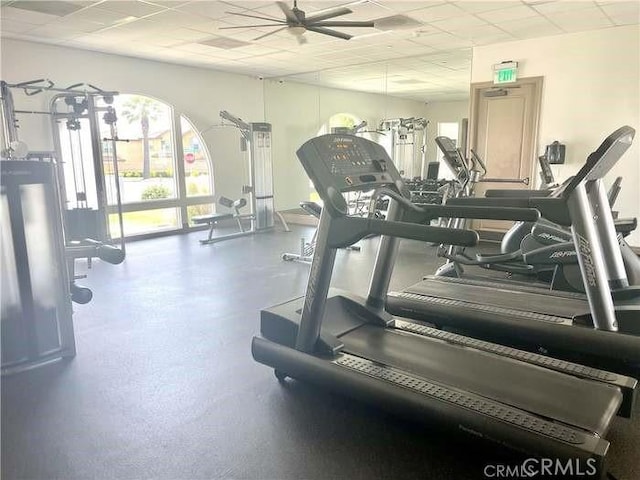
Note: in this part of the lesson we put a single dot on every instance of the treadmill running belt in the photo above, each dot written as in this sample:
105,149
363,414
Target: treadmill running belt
544,302
573,402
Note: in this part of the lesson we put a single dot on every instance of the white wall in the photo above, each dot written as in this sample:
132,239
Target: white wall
591,87
295,110
198,93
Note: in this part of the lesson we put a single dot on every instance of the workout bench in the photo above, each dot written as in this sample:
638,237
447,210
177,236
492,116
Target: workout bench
307,249
213,218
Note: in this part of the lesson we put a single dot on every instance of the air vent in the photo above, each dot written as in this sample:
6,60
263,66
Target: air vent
59,9
408,81
224,43
396,22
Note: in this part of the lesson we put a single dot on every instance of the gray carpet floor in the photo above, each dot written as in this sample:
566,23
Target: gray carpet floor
164,387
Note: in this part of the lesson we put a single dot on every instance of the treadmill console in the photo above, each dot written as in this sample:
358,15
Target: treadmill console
545,171
450,153
339,163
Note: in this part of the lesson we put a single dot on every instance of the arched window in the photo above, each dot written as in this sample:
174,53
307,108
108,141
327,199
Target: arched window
165,171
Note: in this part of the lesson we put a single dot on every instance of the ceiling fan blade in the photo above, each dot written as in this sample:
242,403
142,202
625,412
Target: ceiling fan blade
270,33
256,16
340,24
254,26
332,14
331,33
290,14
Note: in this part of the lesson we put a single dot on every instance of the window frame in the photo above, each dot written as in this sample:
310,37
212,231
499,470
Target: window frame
182,201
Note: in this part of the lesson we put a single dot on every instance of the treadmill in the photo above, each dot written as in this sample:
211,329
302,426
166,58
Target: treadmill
349,344
602,327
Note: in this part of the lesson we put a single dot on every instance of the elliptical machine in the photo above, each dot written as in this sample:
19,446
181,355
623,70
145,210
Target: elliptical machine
541,249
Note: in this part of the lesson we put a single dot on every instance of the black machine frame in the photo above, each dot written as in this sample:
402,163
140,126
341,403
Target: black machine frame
350,344
603,324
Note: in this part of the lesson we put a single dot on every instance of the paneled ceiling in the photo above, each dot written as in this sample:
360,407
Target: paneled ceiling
424,54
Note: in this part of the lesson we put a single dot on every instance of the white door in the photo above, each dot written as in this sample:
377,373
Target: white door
503,132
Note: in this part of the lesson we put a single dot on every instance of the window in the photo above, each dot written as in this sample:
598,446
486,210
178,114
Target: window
335,124
447,129
163,181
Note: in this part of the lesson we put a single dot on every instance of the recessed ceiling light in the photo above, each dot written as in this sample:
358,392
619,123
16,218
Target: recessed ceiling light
396,22
124,20
224,43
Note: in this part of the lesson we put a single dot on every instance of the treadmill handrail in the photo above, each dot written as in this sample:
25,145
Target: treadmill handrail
551,208
508,193
603,158
346,231
424,213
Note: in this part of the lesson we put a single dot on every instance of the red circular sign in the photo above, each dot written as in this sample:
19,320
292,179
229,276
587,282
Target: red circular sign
189,158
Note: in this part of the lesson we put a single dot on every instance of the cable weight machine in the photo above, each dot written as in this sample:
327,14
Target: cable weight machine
408,141
39,247
80,123
256,140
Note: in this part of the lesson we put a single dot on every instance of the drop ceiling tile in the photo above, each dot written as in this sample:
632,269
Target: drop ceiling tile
133,8
530,27
550,9
443,40
508,14
99,15
368,11
485,34
59,8
211,9
74,23
246,34
85,3
623,20
456,24
258,50
436,13
477,7
409,6
160,41
187,34
168,3
139,27
587,19
177,18
193,48
614,9
26,16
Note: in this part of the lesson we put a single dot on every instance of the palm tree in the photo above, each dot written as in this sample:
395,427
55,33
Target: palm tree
142,109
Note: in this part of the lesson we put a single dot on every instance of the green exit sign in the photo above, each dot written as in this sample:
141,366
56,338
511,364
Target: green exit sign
506,72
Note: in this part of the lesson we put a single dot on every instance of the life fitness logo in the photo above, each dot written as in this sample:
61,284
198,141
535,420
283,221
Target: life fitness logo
543,468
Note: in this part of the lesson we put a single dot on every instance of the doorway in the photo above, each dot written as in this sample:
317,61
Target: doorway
503,131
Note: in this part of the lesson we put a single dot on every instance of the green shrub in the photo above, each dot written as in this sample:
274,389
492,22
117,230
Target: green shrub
168,173
193,210
155,192
192,189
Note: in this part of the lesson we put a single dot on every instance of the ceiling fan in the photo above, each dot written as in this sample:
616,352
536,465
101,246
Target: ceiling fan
296,23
